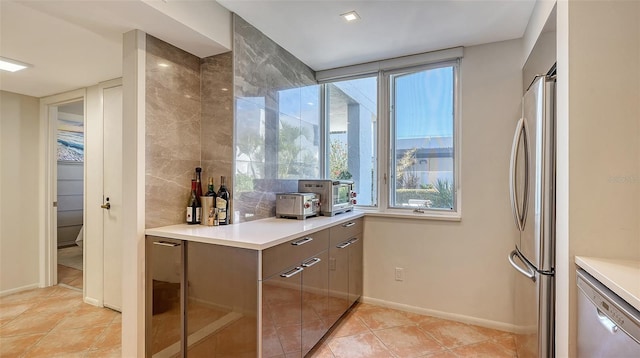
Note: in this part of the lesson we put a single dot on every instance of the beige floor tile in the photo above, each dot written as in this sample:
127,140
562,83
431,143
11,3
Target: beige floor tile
487,349
110,339
348,326
408,341
31,322
454,334
87,316
30,296
322,350
114,352
60,304
381,317
9,312
445,354
70,342
365,345
15,346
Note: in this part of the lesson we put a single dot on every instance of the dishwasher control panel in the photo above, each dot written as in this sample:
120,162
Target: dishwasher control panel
622,314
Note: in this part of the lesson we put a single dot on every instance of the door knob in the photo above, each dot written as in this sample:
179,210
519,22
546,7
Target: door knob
106,206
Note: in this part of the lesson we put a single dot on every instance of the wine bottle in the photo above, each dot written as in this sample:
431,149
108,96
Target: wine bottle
193,206
209,201
222,203
210,190
198,182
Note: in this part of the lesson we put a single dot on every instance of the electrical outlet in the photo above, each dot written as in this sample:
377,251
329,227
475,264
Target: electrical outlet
399,274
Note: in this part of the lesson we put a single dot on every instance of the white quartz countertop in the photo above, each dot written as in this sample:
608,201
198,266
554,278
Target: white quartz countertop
620,276
257,235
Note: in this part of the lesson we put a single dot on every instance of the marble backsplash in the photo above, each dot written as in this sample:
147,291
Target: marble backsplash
277,119
172,130
189,123
217,120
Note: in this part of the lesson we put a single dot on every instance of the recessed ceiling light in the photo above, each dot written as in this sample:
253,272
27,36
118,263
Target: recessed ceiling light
351,16
7,64
162,64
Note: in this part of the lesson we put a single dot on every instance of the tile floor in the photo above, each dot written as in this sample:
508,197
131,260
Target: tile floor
54,322
70,276
373,331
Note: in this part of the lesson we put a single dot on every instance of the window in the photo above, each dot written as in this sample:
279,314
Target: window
422,117
351,112
405,160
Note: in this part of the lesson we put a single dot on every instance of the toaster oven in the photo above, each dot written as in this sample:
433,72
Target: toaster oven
336,196
297,205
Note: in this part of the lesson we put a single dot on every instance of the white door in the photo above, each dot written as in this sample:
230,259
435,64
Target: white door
112,192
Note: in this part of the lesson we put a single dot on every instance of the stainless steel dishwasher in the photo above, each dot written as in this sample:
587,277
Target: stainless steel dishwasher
607,325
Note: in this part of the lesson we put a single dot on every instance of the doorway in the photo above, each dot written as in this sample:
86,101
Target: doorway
99,236
70,143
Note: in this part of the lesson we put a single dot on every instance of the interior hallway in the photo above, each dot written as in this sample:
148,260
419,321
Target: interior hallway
54,322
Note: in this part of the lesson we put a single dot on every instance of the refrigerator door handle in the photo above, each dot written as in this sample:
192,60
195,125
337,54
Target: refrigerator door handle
520,217
528,272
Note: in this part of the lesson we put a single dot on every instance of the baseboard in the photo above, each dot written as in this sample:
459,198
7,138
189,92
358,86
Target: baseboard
445,315
92,301
19,289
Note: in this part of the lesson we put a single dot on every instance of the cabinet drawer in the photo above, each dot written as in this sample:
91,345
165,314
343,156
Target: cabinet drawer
345,231
291,253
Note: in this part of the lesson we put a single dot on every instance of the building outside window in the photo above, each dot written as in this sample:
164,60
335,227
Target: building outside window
352,120
415,133
422,116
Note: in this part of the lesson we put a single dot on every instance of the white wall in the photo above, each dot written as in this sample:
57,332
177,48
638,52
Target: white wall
538,18
19,131
599,143
461,268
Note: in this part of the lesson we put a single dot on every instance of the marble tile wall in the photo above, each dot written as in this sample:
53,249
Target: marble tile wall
277,119
217,120
173,130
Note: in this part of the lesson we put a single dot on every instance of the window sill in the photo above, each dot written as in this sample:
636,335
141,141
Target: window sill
407,214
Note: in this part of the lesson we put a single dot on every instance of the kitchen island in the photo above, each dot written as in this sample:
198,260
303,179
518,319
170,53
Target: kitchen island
266,288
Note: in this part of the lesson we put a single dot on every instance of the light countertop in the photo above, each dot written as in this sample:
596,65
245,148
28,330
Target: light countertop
620,276
257,235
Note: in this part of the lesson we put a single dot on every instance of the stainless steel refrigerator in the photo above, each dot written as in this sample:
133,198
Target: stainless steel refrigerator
532,184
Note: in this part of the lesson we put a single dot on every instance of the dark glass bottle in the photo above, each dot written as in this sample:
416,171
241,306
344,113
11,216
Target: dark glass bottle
210,196
193,206
198,182
222,202
210,190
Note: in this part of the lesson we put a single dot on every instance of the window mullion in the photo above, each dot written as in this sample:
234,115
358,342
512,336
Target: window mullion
384,141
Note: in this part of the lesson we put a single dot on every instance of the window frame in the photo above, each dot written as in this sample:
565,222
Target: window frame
389,87
385,137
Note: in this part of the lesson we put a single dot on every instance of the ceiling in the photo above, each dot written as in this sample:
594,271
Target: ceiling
76,44
387,29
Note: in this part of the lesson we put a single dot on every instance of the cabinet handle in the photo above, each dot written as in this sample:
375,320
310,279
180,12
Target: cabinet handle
348,224
302,241
343,245
354,240
311,262
293,272
166,243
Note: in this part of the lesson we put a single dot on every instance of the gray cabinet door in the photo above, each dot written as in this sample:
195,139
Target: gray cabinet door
355,269
165,294
315,300
222,301
282,314
338,278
